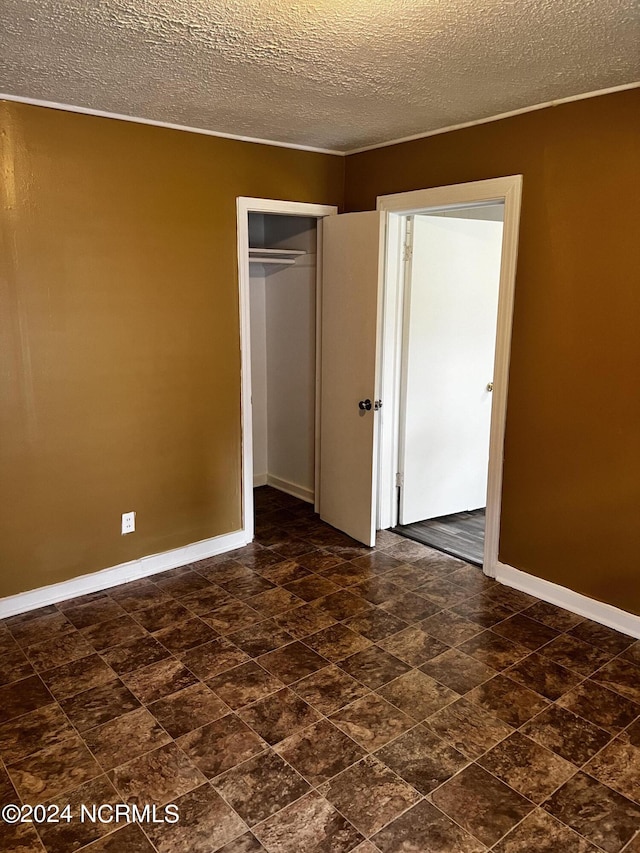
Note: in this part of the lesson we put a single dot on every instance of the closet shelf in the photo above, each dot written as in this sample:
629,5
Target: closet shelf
274,256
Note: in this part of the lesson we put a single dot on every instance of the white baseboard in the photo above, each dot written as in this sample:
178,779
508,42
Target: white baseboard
598,611
105,578
291,488
259,480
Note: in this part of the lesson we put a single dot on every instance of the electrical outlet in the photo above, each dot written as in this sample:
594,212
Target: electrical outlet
128,522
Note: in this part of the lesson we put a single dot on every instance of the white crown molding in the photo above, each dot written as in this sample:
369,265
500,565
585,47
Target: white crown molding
36,102
598,611
70,108
106,578
498,117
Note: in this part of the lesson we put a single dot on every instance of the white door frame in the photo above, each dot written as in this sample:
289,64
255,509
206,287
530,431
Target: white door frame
398,207
244,206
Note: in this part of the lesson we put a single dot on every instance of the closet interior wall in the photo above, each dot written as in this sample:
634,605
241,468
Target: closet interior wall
283,353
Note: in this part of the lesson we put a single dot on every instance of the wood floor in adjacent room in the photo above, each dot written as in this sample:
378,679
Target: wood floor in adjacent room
308,695
461,534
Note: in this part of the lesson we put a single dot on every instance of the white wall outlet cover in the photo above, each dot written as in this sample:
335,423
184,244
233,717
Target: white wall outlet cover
128,522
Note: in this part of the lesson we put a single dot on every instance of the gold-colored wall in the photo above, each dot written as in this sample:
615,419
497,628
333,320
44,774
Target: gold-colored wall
571,494
120,374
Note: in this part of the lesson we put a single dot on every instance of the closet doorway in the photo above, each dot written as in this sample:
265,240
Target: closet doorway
279,266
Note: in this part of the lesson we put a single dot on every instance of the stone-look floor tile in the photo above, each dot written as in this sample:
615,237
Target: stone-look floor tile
164,615
274,601
264,637
125,738
348,575
471,578
566,734
32,732
531,769
417,694
632,654
376,590
514,598
305,620
337,642
483,610
185,583
493,650
129,839
99,705
247,586
221,744
320,752
422,759
37,629
185,635
442,592
575,654
279,716
54,770
425,828
366,847
312,587
206,824
204,601
188,709
603,637
58,650
260,787
342,605
311,824
554,617
329,689
246,843
458,671
104,635
450,628
260,559
135,654
529,633
7,791
285,572
19,838
156,778
65,836
601,815
213,658
546,677
600,706
374,667
413,646
138,595
95,611
14,666
634,845
410,607
77,676
291,663
372,721
469,728
159,680
244,684
618,766
621,676
541,833
507,700
319,561
481,804
439,564
232,617
408,551
377,562
225,569
369,795
376,624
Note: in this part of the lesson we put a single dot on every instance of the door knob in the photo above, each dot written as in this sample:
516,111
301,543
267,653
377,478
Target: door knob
365,405
489,386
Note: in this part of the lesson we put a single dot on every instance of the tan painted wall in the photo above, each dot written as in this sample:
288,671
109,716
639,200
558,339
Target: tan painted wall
571,497
120,374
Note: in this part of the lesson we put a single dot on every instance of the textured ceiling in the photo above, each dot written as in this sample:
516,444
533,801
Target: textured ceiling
336,74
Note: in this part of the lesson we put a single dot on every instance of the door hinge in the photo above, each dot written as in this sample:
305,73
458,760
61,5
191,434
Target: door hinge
407,252
400,480
407,246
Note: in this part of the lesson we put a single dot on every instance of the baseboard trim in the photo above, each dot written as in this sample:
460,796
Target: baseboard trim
598,611
259,480
115,575
291,488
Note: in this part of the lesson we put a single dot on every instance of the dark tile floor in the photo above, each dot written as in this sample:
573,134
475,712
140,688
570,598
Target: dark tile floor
307,695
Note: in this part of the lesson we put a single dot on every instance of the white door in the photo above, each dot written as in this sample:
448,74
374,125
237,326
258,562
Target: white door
451,305
351,311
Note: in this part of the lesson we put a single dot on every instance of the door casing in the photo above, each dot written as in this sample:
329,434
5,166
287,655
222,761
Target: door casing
398,207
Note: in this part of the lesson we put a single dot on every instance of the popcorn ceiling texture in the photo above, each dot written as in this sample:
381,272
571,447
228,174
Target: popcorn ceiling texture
336,74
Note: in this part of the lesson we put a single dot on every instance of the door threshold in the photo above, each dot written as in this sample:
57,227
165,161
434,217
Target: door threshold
409,532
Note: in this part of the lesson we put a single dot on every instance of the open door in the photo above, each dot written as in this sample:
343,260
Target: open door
352,269
451,306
